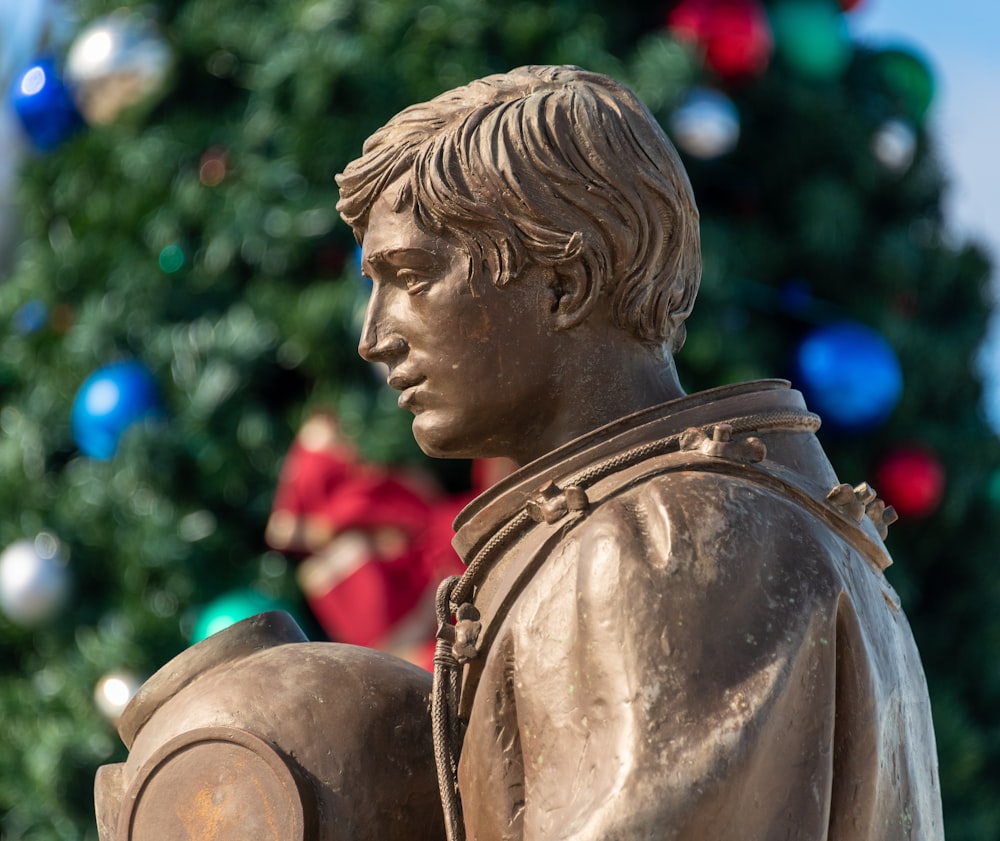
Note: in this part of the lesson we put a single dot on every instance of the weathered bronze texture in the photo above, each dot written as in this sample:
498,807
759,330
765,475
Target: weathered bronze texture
674,622
257,735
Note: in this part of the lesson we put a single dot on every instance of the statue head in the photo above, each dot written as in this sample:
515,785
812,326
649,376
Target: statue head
532,238
546,166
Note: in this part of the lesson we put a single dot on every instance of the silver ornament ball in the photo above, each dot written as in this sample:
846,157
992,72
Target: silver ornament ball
118,61
34,579
706,125
895,145
114,691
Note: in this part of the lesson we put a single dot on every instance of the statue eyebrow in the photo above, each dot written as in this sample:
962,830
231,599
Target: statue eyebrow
402,257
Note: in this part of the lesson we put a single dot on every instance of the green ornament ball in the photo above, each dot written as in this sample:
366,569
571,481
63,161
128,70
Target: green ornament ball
993,489
811,37
908,79
230,608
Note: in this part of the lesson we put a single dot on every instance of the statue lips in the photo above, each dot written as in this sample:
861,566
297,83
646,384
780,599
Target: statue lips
407,384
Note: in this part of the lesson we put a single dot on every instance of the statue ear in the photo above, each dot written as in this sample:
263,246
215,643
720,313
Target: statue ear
573,294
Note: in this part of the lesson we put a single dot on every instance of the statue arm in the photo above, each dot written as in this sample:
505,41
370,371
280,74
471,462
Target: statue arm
683,685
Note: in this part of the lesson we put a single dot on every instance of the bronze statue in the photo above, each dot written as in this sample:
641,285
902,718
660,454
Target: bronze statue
674,622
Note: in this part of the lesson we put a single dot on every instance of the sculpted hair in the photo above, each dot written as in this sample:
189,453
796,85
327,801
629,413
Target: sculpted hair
546,165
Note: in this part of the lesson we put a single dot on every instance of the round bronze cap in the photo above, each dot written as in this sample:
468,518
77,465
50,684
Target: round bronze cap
265,630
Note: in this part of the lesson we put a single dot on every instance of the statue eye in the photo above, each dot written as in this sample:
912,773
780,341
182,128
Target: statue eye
413,280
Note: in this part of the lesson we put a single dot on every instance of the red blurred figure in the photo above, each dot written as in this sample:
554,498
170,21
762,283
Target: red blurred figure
377,541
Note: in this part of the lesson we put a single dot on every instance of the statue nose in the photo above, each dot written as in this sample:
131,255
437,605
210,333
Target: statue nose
384,348
380,339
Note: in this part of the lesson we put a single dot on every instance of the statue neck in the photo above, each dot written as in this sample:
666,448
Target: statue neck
600,384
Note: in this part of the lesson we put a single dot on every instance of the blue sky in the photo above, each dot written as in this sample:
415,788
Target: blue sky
960,39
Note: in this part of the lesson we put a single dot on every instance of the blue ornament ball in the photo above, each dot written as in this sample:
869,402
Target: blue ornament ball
44,105
109,402
230,608
31,317
850,374
796,296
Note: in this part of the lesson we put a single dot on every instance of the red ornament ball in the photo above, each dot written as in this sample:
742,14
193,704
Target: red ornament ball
734,35
849,5
214,166
912,481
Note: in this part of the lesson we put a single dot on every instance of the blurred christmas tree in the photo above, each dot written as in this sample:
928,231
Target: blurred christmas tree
185,296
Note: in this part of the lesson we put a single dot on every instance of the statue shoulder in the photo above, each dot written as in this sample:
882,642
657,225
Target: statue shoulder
717,527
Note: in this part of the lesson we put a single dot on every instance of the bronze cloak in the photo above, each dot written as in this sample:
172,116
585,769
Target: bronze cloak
686,633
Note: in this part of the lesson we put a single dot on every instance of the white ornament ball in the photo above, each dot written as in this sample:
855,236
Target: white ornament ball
706,125
118,61
114,691
894,145
34,579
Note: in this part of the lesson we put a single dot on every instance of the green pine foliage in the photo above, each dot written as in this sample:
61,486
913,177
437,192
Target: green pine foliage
241,295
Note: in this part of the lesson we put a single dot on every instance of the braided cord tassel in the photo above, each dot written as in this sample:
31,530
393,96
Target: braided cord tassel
444,713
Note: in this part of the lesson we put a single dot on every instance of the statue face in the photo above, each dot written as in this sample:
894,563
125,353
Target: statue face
472,362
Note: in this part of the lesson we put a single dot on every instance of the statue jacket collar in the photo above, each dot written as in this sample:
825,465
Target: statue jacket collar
758,430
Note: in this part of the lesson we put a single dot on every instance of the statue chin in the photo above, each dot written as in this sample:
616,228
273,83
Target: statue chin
438,440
